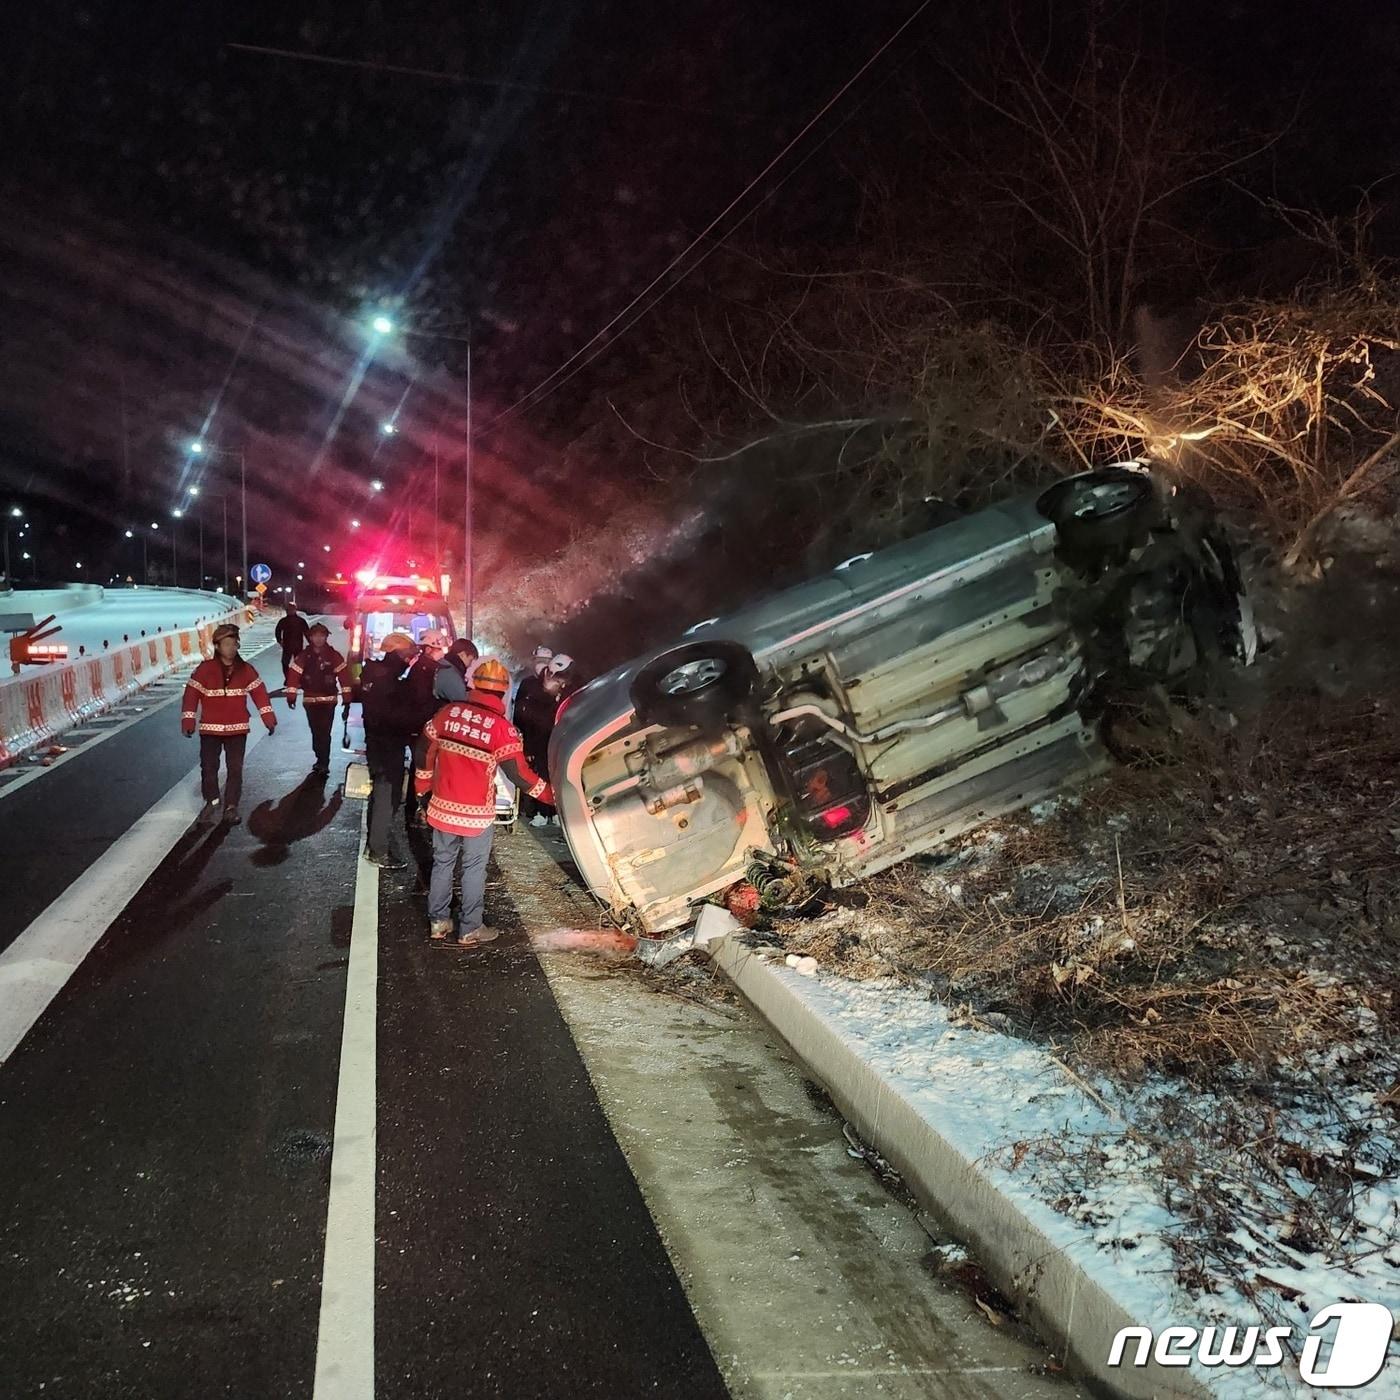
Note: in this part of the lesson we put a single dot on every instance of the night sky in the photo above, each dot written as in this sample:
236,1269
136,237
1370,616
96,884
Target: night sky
195,236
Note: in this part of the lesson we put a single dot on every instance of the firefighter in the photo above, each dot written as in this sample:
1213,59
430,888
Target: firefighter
217,695
421,681
318,674
467,743
450,684
390,725
291,636
561,679
533,715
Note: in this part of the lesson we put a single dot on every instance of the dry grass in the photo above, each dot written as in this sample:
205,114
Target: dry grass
1213,930
1226,911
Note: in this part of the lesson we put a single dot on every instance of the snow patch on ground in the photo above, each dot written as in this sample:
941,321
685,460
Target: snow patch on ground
987,1093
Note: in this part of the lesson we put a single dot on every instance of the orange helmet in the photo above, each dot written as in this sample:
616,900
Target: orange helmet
491,675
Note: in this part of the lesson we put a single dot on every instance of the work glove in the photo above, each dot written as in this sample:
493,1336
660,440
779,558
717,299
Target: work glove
271,725
291,702
187,728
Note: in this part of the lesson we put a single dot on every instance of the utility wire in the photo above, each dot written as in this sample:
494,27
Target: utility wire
462,79
581,357
734,228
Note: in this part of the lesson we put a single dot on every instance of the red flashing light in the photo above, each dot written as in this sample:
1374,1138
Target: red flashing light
835,816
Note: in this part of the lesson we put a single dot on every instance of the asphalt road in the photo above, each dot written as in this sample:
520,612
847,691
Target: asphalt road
168,1122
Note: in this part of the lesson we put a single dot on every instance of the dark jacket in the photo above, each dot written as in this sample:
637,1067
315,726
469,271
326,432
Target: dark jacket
450,679
292,632
419,684
533,715
389,709
318,675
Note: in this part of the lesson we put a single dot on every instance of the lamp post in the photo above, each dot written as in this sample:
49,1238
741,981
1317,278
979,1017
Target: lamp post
145,553
199,517
175,548
201,448
14,513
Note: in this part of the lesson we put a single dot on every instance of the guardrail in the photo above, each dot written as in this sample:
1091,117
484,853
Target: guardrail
36,709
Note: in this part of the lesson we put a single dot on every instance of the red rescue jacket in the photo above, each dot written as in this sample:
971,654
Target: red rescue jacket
222,700
319,676
467,742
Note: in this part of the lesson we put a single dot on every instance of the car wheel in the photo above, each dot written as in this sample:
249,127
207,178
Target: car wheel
700,684
1098,512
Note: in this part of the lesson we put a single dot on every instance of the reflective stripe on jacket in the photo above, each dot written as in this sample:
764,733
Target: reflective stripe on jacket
221,703
462,747
318,676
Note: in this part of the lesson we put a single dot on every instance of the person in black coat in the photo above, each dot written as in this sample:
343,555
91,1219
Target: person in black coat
291,635
391,713
533,716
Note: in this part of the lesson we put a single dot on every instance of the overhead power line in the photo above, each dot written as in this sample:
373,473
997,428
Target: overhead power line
462,79
582,356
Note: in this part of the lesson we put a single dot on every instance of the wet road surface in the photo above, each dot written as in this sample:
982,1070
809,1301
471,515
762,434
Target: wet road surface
179,1123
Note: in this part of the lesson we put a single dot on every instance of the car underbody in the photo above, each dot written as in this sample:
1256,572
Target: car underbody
836,729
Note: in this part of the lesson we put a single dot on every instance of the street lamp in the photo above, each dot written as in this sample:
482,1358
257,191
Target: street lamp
14,513
354,524
145,560
388,429
376,485
199,447
382,325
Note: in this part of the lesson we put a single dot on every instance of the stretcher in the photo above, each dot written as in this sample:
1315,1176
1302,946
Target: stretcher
507,801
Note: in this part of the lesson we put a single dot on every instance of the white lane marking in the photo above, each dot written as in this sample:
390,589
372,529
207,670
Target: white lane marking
37,965
100,733
345,1337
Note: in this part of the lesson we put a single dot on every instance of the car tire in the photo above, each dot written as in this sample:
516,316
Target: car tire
702,684
1099,512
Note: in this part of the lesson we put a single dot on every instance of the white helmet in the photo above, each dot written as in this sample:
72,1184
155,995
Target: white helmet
560,663
543,653
435,637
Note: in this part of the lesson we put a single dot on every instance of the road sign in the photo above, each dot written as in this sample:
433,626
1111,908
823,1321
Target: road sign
260,573
262,588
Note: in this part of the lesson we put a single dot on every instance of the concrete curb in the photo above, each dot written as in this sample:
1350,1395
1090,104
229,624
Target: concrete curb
1070,1309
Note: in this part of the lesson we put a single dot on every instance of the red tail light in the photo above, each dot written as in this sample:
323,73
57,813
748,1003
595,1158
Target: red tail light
835,816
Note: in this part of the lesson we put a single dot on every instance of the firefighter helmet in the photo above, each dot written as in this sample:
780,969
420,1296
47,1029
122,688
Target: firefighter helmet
399,641
491,675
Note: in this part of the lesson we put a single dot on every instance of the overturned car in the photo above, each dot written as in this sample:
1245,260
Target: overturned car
839,727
